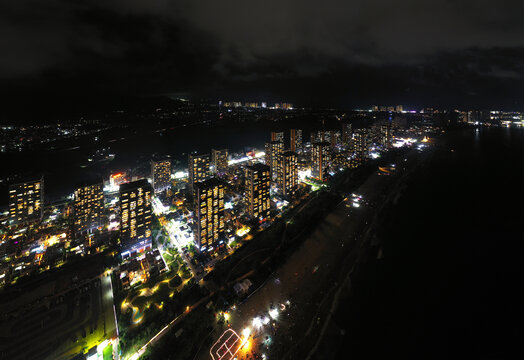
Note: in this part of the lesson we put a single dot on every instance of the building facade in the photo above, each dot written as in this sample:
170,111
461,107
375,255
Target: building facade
219,159
26,201
320,157
198,168
360,144
88,207
135,217
385,136
209,214
316,136
295,136
273,151
277,136
258,184
288,173
347,131
161,175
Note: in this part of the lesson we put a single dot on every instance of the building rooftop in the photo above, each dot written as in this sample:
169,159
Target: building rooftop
134,185
209,183
259,167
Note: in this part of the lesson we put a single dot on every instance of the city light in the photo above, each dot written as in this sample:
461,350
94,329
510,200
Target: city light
258,155
178,208
242,231
273,313
257,323
246,332
180,175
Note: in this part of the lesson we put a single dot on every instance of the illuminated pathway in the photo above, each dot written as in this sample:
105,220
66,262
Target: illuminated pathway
138,314
166,328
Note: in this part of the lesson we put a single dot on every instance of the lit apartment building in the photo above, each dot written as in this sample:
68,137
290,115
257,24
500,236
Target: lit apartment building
316,136
273,151
258,183
288,173
198,169
88,207
330,136
161,175
295,136
135,217
320,157
347,131
219,159
385,136
341,160
26,200
277,136
360,144
335,137
209,212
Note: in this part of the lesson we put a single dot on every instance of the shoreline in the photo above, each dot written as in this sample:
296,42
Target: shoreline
321,250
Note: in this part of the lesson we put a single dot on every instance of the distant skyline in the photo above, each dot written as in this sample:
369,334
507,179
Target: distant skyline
352,54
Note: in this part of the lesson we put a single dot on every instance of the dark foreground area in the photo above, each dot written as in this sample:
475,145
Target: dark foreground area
448,283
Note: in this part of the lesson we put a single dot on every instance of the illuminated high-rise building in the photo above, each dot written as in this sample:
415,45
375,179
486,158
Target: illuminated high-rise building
209,213
330,136
117,179
273,151
320,157
88,207
316,136
295,136
258,183
135,217
360,144
340,160
385,136
335,137
399,108
161,175
288,173
198,169
326,136
26,200
219,159
347,132
277,136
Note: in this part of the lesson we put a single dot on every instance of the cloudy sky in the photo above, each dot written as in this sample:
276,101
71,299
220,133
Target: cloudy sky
343,53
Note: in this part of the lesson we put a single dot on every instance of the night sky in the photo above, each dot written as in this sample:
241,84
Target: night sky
467,53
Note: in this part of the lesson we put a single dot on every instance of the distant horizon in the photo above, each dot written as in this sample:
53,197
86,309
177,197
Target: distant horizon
52,107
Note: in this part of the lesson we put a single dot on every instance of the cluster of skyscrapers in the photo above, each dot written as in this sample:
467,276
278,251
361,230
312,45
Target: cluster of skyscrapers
279,174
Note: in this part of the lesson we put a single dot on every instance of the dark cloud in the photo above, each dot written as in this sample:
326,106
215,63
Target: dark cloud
330,51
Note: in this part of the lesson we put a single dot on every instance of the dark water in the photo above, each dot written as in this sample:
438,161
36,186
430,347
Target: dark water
450,285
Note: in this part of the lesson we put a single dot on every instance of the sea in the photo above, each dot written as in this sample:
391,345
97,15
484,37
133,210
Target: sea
449,283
